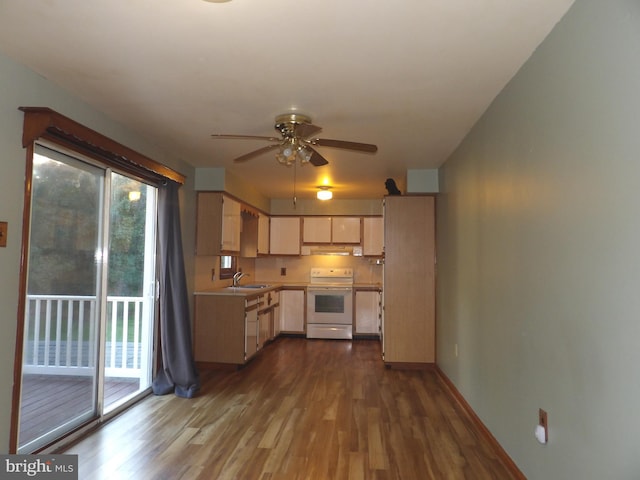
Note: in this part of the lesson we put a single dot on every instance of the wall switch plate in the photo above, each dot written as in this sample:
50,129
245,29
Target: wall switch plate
3,234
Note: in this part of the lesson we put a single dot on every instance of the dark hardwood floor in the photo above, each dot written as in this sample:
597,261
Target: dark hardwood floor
302,409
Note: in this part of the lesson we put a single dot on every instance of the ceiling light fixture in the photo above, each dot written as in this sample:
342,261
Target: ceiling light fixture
324,193
291,150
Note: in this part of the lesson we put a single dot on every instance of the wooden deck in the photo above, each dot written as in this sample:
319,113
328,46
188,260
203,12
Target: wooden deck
302,409
52,400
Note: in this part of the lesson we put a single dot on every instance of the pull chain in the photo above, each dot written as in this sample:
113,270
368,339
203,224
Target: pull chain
294,185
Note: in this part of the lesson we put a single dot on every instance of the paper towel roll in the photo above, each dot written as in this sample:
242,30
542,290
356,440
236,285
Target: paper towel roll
541,434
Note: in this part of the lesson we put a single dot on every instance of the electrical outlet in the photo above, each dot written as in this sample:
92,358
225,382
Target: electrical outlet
283,271
3,234
542,421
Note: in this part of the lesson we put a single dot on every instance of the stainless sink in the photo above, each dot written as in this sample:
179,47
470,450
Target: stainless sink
254,286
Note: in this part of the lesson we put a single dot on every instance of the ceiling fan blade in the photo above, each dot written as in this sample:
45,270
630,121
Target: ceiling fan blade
316,159
255,153
360,147
306,130
244,137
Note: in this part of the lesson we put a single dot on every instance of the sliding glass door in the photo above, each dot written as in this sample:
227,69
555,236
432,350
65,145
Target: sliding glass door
130,301
89,311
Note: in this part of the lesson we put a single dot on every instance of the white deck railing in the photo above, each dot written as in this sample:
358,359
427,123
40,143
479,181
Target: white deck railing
60,336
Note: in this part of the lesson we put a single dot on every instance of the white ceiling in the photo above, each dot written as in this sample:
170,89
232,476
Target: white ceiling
411,76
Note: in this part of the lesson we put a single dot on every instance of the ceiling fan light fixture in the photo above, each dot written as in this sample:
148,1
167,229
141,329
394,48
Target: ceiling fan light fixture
297,142
283,159
291,151
324,193
287,152
304,155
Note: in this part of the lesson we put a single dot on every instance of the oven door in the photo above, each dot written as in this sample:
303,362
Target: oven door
329,312
330,305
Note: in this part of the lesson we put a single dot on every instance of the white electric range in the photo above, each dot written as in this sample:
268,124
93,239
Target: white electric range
330,303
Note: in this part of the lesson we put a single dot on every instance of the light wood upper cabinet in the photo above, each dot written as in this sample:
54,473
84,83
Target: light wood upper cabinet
316,230
249,235
218,224
373,236
284,236
345,230
231,225
263,234
326,230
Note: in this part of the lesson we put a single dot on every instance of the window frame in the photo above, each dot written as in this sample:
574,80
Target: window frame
43,124
228,272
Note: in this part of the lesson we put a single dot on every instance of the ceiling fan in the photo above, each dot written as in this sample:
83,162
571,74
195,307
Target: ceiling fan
297,142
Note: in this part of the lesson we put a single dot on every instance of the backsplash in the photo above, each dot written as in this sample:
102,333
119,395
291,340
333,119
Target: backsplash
267,269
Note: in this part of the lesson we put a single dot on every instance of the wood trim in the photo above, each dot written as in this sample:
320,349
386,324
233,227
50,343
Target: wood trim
457,397
368,288
244,206
409,365
22,292
42,122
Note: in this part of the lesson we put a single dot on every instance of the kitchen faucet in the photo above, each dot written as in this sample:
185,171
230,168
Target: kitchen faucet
237,276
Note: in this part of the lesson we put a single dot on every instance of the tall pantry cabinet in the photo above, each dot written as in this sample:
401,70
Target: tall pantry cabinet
409,280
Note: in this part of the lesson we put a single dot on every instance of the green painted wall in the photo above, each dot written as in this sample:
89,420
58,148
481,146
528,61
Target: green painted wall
538,263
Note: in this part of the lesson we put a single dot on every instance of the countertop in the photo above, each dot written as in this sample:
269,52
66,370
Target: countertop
240,291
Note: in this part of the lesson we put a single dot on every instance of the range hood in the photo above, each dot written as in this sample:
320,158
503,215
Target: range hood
331,250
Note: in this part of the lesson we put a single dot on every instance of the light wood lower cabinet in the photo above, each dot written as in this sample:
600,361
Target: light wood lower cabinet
267,318
251,332
367,312
226,328
292,308
232,328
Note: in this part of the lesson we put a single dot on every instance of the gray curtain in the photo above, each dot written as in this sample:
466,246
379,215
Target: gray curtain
178,372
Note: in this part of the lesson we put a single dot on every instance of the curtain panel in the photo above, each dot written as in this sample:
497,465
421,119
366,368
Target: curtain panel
178,373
